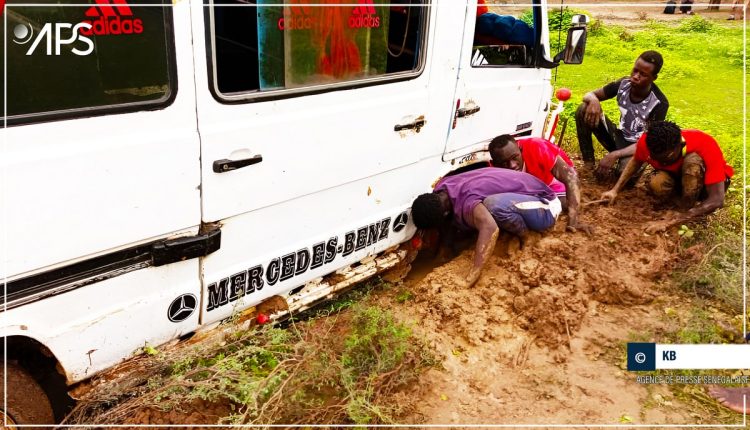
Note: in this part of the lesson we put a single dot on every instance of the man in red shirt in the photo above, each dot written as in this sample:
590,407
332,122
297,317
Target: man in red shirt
686,160
547,162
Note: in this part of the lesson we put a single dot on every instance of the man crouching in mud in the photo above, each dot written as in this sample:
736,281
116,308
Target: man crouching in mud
483,200
686,161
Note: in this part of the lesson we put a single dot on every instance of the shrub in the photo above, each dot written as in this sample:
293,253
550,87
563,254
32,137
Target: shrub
556,19
696,24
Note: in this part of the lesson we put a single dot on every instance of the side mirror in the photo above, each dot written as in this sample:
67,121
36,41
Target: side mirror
575,45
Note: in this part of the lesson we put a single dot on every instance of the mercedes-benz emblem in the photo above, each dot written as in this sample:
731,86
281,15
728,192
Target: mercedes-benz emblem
400,222
182,307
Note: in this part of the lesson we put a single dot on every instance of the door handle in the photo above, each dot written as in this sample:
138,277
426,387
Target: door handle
464,112
416,125
225,165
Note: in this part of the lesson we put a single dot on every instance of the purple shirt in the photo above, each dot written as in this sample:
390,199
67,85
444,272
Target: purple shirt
467,190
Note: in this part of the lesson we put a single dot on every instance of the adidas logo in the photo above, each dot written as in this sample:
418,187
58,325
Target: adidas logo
111,18
366,7
364,15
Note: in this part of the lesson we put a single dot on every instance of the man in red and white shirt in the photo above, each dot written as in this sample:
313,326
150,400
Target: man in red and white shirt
688,161
545,161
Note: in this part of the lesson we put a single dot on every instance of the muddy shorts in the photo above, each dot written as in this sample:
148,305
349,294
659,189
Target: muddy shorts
518,213
689,182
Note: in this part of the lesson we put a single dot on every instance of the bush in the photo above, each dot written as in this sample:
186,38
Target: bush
556,19
696,24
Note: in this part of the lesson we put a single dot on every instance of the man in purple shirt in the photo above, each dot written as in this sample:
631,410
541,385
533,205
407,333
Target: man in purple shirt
485,199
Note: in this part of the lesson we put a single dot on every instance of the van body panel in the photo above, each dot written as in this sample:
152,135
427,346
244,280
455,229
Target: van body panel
508,99
100,325
333,169
334,187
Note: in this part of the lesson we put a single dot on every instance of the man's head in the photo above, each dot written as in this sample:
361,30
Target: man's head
505,153
430,210
646,68
664,142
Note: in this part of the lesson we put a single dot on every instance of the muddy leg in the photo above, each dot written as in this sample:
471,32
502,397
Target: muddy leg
693,174
661,184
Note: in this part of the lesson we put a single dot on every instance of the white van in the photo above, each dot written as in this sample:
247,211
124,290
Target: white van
166,165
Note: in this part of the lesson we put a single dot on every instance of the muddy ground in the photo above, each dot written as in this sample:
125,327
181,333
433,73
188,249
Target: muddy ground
540,338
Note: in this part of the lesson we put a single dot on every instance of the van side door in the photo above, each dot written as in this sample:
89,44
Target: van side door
500,90
310,117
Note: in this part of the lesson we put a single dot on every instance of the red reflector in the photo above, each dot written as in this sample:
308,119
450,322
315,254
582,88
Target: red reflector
416,242
262,319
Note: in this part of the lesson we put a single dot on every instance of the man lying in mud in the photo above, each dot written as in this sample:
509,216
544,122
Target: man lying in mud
547,162
483,200
688,162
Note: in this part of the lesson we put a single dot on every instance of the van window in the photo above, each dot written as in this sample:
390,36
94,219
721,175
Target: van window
505,34
261,49
83,60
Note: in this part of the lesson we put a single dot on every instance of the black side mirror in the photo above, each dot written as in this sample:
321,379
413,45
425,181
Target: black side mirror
575,45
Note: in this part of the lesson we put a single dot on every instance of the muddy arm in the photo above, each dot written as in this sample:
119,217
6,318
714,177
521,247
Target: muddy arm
632,167
567,175
715,200
488,233
609,160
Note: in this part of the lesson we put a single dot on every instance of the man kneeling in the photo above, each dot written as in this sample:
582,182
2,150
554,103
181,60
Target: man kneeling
483,200
686,161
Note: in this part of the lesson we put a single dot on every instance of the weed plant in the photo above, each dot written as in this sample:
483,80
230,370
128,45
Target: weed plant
338,369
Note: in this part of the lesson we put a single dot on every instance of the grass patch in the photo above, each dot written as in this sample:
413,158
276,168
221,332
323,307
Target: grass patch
347,368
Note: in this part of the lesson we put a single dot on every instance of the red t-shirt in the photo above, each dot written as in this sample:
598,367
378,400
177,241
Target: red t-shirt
539,156
481,7
717,169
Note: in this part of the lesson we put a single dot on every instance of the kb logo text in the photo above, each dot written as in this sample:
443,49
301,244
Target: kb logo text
58,35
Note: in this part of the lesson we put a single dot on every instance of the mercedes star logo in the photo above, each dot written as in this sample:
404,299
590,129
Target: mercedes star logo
181,308
400,222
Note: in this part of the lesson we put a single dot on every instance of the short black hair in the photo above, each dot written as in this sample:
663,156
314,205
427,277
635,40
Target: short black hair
500,142
663,136
427,211
653,58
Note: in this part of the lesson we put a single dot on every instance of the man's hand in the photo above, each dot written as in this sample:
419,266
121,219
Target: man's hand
593,113
606,164
576,226
471,279
654,227
609,196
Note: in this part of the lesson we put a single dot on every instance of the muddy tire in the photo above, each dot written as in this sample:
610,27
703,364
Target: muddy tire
27,401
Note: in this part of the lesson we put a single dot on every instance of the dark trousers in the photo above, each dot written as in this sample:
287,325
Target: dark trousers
606,133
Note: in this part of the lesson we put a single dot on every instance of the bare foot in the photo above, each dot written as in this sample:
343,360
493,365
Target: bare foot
731,397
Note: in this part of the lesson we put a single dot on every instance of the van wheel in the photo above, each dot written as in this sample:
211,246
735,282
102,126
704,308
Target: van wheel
27,401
